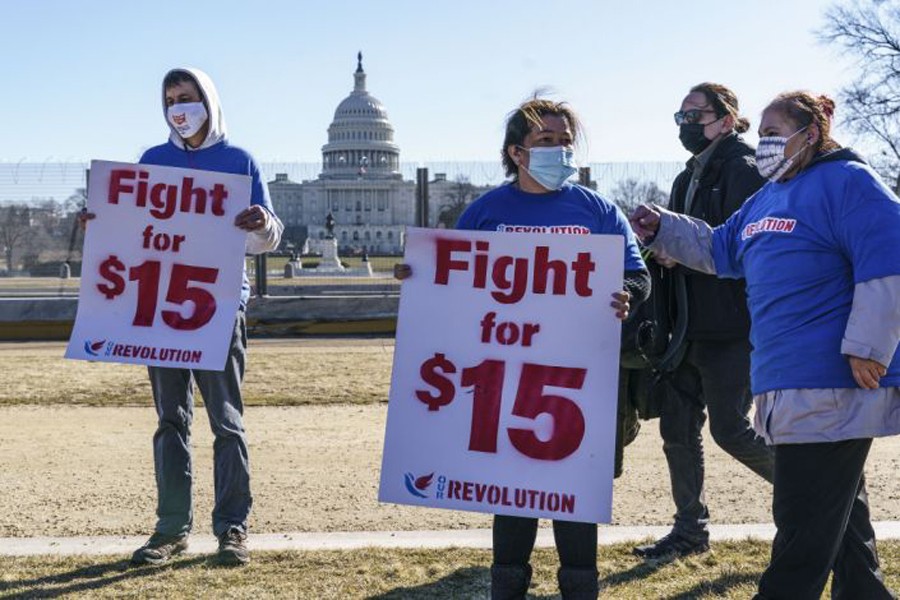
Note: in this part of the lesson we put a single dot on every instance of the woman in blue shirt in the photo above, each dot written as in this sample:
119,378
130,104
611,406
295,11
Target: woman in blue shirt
538,153
818,248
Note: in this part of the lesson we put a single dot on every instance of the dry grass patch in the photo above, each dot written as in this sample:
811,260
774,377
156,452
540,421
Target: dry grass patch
278,373
731,570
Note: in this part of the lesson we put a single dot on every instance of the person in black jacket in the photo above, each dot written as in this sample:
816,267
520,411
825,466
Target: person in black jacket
715,370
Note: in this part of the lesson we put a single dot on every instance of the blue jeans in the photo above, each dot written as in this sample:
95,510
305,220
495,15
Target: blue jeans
174,399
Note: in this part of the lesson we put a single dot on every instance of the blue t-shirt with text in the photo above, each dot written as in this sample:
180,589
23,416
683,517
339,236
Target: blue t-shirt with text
802,245
573,209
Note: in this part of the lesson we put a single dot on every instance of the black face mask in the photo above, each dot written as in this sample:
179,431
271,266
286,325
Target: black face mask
692,138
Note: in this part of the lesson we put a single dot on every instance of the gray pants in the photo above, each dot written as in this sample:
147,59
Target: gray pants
174,399
714,374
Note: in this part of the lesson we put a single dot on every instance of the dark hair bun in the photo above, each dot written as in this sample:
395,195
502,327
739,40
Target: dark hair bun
827,106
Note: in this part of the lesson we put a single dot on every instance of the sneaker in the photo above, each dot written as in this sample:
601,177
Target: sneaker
233,548
159,548
671,546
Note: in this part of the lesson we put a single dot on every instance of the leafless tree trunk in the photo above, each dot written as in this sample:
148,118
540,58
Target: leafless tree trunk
14,230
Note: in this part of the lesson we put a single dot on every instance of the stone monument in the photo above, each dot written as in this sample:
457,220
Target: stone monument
330,262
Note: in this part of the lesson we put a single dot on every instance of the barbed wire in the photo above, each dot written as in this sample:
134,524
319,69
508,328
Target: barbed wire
32,182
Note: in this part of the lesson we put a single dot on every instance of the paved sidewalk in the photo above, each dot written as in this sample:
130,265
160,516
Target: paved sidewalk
466,538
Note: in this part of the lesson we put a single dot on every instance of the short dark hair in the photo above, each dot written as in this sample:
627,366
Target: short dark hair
724,102
173,78
530,114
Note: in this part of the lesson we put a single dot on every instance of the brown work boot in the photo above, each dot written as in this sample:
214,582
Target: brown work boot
233,548
159,549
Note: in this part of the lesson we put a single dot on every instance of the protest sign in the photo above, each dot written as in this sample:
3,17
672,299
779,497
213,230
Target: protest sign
162,268
504,389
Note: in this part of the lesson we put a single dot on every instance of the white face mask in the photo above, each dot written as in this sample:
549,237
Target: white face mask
770,158
187,118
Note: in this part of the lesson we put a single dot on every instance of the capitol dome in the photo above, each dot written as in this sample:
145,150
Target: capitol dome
360,138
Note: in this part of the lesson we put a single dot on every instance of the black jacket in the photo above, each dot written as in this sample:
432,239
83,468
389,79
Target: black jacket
717,308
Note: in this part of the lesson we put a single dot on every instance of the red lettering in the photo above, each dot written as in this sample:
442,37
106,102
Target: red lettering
528,331
445,248
163,208
553,502
218,193
117,184
188,193
164,198
467,491
480,490
583,267
542,267
453,490
568,503
518,283
481,264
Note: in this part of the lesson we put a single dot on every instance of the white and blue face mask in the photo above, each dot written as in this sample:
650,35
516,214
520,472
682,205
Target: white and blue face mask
551,166
770,159
187,118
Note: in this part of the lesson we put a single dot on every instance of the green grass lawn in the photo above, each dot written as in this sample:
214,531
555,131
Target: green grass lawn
731,570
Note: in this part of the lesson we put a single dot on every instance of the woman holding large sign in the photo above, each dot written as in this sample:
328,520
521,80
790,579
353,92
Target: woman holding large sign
817,246
538,154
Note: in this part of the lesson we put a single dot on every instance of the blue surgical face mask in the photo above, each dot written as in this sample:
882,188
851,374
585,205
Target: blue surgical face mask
552,166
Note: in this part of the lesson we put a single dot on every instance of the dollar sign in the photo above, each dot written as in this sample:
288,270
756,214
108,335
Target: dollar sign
440,382
108,271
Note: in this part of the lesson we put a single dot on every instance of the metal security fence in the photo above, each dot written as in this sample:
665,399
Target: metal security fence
31,182
45,260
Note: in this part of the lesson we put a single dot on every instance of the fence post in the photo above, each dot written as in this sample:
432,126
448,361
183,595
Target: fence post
262,283
584,177
422,197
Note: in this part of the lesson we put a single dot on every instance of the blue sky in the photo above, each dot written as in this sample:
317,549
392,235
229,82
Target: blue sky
81,78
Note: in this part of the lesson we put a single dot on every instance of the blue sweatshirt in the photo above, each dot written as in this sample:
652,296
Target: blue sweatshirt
214,154
802,246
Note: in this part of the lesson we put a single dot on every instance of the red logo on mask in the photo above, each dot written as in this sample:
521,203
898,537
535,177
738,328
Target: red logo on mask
179,119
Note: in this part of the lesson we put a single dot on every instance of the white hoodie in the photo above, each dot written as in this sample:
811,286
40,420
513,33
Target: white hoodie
217,129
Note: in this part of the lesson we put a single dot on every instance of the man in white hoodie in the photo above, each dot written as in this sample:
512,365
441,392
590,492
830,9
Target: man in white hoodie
197,140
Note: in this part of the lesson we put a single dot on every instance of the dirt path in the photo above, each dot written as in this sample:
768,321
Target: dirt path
88,471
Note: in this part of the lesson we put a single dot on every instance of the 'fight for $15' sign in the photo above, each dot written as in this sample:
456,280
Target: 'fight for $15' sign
503,393
163,266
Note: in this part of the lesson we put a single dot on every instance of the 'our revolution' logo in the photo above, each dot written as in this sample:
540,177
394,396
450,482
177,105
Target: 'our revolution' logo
563,229
417,485
93,347
766,224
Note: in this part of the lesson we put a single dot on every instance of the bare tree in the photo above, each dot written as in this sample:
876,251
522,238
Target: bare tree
455,201
629,193
870,31
15,230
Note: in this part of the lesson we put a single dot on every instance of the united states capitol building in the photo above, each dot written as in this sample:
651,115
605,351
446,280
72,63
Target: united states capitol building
360,184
